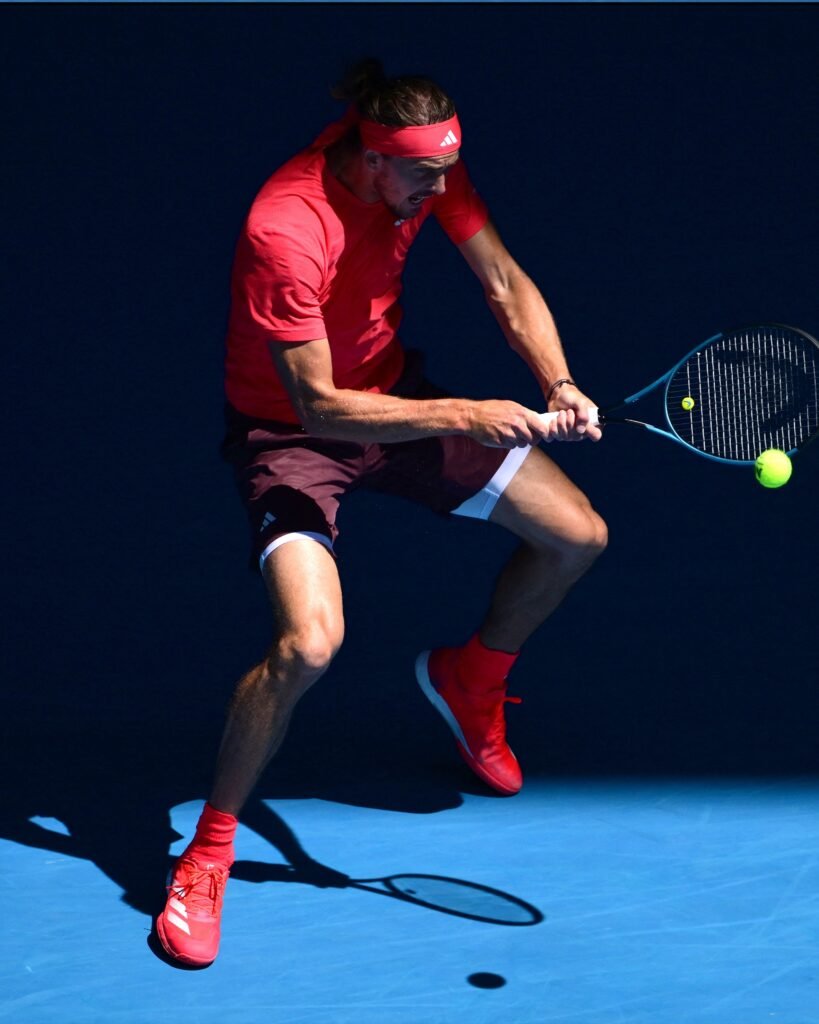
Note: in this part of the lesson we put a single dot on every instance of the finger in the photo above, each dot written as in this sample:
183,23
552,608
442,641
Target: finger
526,437
540,428
594,433
519,435
555,430
566,424
581,421
586,417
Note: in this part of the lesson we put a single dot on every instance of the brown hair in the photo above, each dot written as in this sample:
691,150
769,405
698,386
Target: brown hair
400,102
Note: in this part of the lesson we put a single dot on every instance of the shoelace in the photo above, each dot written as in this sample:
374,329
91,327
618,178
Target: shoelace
201,890
490,707
497,730
491,703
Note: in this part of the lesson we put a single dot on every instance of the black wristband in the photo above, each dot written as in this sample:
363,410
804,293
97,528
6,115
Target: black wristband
558,384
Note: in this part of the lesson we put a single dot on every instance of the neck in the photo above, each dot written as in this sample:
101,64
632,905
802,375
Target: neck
346,164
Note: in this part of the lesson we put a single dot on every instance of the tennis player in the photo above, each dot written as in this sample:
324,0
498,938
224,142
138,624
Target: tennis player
323,398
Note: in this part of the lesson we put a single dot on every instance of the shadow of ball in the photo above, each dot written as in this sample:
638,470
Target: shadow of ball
485,979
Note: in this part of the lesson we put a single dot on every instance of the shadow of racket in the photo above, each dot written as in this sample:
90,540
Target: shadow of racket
454,896
434,892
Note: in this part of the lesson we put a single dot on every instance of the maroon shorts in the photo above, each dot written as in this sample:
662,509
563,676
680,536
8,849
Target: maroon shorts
292,483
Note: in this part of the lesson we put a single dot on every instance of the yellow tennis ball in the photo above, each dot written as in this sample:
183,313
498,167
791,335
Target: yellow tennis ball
773,468
688,403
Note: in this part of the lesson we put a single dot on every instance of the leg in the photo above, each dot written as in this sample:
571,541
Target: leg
561,537
304,588
305,591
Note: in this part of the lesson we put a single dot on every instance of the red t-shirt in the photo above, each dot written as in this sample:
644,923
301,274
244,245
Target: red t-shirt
314,261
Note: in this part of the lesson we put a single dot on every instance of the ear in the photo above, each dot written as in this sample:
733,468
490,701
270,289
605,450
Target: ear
373,160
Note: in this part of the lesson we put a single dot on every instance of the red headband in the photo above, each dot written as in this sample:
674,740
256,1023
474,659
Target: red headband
423,140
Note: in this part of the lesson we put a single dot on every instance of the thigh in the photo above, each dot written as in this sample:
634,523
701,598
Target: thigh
541,505
304,588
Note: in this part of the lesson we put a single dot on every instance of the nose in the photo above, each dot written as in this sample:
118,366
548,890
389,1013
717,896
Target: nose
439,185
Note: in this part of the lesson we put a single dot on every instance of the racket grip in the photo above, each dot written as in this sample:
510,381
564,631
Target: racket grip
594,416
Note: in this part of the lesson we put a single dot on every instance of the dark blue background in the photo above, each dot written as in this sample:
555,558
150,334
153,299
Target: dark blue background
653,168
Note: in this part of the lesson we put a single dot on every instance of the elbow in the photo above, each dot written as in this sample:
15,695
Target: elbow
315,416
310,419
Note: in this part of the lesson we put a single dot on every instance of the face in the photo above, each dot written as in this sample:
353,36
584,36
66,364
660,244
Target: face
403,184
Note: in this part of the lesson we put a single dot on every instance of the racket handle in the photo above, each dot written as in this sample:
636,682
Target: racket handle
594,416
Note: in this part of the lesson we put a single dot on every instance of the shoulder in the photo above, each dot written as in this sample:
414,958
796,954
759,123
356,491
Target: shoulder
460,210
290,208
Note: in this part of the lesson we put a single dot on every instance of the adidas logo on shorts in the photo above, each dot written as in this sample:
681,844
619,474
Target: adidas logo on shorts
268,520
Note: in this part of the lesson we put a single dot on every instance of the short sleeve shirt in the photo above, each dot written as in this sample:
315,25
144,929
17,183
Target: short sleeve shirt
314,261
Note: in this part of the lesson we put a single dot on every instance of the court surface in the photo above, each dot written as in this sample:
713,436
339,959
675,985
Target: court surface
628,901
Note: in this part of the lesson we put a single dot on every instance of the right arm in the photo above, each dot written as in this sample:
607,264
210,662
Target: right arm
306,370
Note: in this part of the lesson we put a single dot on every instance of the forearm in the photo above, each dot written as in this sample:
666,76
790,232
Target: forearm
529,327
365,417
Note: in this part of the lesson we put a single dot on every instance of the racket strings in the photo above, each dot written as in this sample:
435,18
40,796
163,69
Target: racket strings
747,391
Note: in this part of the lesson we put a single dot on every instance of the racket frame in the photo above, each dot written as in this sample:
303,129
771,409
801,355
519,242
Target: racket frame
602,417
671,433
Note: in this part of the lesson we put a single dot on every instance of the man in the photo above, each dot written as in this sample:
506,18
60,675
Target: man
322,398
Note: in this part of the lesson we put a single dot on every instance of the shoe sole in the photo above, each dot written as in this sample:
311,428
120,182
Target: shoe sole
184,961
441,706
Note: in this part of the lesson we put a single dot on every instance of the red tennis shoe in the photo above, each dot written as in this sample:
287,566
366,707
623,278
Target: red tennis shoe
476,719
188,927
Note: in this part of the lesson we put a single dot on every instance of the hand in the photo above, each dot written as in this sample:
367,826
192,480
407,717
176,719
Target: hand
572,423
501,424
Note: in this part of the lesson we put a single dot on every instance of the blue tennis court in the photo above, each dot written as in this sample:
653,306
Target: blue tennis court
628,900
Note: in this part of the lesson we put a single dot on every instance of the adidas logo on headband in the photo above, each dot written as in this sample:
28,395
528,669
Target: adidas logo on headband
415,141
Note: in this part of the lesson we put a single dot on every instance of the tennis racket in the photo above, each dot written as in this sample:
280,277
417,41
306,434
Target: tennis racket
736,395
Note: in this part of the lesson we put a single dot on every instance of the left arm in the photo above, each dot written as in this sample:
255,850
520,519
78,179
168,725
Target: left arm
529,328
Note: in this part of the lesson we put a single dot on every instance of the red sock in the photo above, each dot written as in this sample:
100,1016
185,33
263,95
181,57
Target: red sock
213,842
481,668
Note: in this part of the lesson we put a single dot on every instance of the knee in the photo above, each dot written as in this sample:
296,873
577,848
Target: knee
597,534
580,542
590,537
303,653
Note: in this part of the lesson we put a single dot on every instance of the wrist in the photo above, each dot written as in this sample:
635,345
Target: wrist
464,416
557,385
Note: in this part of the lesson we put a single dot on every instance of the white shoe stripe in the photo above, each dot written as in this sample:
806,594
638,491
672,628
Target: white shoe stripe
180,907
172,918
